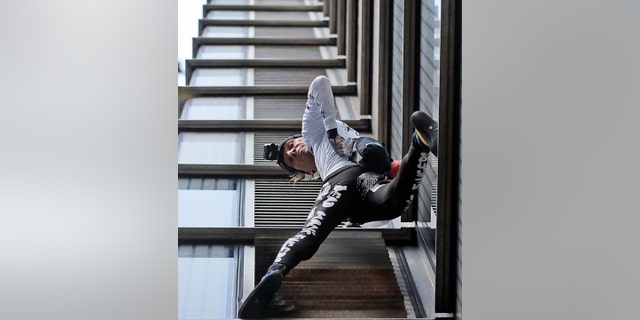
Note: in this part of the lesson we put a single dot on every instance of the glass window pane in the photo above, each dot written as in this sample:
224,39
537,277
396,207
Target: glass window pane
218,77
229,15
208,202
207,283
214,109
228,2
210,148
225,32
207,184
222,52
208,208
429,75
205,251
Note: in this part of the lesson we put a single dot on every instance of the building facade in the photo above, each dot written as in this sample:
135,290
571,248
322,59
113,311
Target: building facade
244,84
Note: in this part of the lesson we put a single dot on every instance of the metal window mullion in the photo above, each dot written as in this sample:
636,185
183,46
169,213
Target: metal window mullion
410,77
366,34
385,11
341,21
447,232
351,35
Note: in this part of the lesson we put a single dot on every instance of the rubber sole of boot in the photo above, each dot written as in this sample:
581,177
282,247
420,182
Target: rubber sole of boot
255,304
427,130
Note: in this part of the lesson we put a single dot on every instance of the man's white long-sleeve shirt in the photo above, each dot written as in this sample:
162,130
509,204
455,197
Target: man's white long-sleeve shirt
319,116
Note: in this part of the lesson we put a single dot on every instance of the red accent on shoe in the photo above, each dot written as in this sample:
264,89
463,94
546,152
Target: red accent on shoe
395,166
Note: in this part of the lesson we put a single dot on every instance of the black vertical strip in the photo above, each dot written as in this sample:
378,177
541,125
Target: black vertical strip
410,80
449,159
384,71
411,68
352,40
365,72
412,290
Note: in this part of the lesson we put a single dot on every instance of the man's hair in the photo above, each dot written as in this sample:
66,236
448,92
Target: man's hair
301,176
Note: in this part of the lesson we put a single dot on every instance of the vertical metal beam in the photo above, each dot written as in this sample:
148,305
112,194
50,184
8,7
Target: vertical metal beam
352,40
411,68
384,70
325,8
341,26
447,233
410,80
333,16
366,33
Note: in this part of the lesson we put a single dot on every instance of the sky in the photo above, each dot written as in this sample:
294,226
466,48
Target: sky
189,12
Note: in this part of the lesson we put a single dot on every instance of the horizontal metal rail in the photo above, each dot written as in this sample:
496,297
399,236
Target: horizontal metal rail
362,125
263,23
246,171
202,41
273,63
188,92
211,7
247,235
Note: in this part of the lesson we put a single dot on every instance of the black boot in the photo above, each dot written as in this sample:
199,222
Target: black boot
426,134
279,307
255,304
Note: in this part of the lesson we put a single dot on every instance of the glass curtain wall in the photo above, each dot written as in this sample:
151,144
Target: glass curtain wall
209,276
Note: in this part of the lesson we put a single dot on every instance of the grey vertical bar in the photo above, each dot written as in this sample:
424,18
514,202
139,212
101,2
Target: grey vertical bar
410,83
332,16
366,32
411,68
449,158
341,26
384,70
352,40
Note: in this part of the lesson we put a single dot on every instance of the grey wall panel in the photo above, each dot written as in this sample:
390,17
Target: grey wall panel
279,108
282,15
280,32
280,203
459,257
291,52
288,76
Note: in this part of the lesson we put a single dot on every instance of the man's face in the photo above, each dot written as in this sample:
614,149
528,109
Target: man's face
297,155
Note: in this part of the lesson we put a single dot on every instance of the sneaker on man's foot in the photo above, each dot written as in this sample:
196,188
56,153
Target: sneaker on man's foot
426,133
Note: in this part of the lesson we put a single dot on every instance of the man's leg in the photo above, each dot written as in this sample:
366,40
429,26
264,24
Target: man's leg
388,200
330,209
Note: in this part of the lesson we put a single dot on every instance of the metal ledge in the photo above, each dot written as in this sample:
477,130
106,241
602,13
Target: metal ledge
362,125
246,235
246,171
270,63
187,92
263,23
210,7
199,41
